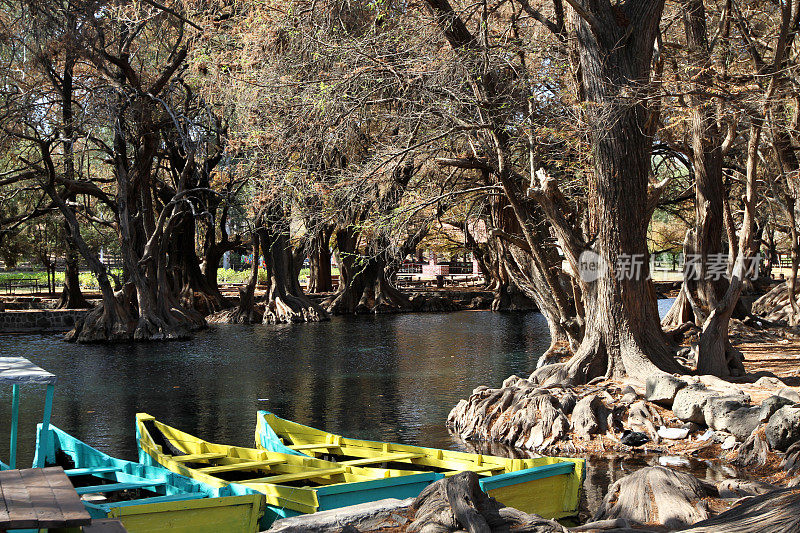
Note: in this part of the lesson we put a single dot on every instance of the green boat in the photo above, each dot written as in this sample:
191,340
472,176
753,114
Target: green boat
149,499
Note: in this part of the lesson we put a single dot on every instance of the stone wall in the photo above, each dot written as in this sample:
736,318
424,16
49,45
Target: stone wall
35,320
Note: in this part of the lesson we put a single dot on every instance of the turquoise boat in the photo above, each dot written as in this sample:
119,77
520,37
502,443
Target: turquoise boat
547,486
149,499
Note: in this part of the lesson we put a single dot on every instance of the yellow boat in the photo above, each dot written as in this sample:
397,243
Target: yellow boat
547,486
292,483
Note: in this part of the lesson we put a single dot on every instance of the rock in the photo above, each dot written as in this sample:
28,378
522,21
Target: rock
655,495
662,389
769,382
728,414
789,394
771,405
673,433
629,395
729,443
690,401
707,435
783,428
718,407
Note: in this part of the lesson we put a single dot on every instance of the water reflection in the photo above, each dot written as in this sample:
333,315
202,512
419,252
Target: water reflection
386,377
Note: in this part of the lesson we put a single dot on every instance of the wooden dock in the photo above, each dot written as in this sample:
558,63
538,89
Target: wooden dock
39,498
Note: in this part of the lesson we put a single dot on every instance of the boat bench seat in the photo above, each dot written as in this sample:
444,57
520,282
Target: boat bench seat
297,476
476,469
90,471
313,446
388,458
195,457
111,487
245,465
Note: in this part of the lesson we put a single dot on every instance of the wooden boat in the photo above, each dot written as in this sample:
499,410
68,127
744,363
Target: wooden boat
547,486
148,498
292,483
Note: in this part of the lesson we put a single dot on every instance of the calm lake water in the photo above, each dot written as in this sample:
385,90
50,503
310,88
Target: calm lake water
392,378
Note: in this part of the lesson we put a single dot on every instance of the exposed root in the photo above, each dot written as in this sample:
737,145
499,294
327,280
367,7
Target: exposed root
289,309
457,503
655,495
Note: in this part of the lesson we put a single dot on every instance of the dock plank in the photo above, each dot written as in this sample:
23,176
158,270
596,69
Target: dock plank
20,511
42,498
3,510
75,514
90,471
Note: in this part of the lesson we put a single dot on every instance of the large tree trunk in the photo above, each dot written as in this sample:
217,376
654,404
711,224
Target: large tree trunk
246,312
703,285
319,279
71,295
363,285
285,300
716,355
189,280
623,332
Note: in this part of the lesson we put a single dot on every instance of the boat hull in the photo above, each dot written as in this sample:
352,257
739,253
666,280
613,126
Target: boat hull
547,486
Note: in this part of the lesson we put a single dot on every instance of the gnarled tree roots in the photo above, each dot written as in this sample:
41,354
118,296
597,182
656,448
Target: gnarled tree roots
126,322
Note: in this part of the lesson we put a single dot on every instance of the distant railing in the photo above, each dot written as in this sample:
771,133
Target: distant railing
410,268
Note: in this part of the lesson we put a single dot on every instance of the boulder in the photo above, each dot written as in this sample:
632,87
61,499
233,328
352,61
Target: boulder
728,414
690,401
783,428
771,405
662,389
769,382
789,394
629,395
